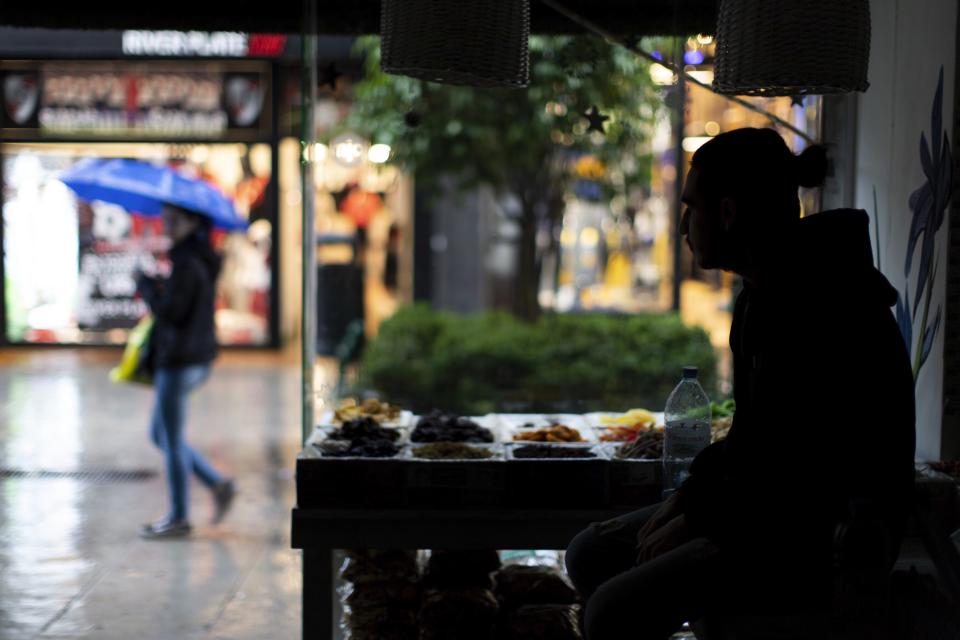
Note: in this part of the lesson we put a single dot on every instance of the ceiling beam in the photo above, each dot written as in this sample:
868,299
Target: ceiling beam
345,17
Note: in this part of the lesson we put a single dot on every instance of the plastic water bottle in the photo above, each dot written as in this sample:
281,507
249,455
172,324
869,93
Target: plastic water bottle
687,421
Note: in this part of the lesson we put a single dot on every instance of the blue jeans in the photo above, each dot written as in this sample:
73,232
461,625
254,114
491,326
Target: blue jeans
173,387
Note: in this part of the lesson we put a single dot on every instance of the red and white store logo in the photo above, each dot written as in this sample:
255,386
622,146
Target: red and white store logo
21,95
203,44
266,45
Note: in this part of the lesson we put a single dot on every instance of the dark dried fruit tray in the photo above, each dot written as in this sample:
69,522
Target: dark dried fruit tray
556,482
450,483
404,480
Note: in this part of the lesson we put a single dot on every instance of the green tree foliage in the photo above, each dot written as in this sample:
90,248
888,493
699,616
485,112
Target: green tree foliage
518,141
426,359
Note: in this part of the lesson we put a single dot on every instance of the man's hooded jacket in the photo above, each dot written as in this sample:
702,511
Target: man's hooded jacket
824,391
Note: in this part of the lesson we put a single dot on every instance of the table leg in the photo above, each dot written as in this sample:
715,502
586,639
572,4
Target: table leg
318,594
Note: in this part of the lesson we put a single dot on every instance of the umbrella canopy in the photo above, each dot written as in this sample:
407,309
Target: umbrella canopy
145,188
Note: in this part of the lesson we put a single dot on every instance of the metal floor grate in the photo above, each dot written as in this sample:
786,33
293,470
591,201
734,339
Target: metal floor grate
85,475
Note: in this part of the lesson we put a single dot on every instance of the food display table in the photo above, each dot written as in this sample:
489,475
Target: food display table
369,486
361,485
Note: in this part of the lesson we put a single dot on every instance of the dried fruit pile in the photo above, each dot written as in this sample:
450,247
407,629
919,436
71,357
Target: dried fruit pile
631,418
348,409
451,451
553,433
623,434
547,451
441,427
648,445
364,429
361,438
358,449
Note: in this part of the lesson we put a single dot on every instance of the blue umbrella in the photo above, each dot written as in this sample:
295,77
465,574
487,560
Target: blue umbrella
144,188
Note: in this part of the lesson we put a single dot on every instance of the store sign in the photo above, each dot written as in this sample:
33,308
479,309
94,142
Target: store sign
134,100
185,43
202,44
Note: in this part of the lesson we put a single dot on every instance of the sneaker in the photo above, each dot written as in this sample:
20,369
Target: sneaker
165,529
223,495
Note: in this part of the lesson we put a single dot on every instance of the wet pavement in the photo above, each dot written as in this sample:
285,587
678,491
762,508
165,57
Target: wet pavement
71,564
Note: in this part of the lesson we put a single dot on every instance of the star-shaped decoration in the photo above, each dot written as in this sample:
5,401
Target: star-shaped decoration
329,76
796,101
596,119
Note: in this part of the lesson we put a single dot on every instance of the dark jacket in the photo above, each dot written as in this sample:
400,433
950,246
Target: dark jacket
825,404
182,305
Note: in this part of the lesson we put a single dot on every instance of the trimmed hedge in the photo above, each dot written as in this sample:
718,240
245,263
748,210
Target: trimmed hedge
425,359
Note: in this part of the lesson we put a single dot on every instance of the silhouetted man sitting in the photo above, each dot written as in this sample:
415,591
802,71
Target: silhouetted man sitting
824,424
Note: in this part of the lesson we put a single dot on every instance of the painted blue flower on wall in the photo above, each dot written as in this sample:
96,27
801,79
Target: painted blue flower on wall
928,205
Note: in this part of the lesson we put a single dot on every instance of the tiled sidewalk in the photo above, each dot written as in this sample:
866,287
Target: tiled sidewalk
71,564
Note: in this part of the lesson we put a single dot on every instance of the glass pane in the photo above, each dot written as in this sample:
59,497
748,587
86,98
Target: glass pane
442,211
70,263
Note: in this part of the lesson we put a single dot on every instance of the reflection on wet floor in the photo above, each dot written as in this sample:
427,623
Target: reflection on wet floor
71,564
39,413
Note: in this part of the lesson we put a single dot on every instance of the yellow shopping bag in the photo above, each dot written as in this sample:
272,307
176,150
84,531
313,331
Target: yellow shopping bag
135,365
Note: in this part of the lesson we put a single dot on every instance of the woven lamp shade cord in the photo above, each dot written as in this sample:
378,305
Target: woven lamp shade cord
481,43
792,47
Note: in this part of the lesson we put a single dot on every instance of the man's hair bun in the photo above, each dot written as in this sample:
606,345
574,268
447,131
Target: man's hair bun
811,166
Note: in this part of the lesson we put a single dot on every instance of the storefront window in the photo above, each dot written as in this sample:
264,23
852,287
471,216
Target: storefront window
69,264
618,253
597,242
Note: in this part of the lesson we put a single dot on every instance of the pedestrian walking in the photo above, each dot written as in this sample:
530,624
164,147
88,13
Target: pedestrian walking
183,347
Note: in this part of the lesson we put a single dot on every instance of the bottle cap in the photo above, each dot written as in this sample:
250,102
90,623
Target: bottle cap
689,373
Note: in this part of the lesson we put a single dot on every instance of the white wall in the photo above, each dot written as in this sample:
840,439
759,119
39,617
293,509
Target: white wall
911,40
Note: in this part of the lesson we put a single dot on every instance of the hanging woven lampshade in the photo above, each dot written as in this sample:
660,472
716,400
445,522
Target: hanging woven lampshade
792,47
482,43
